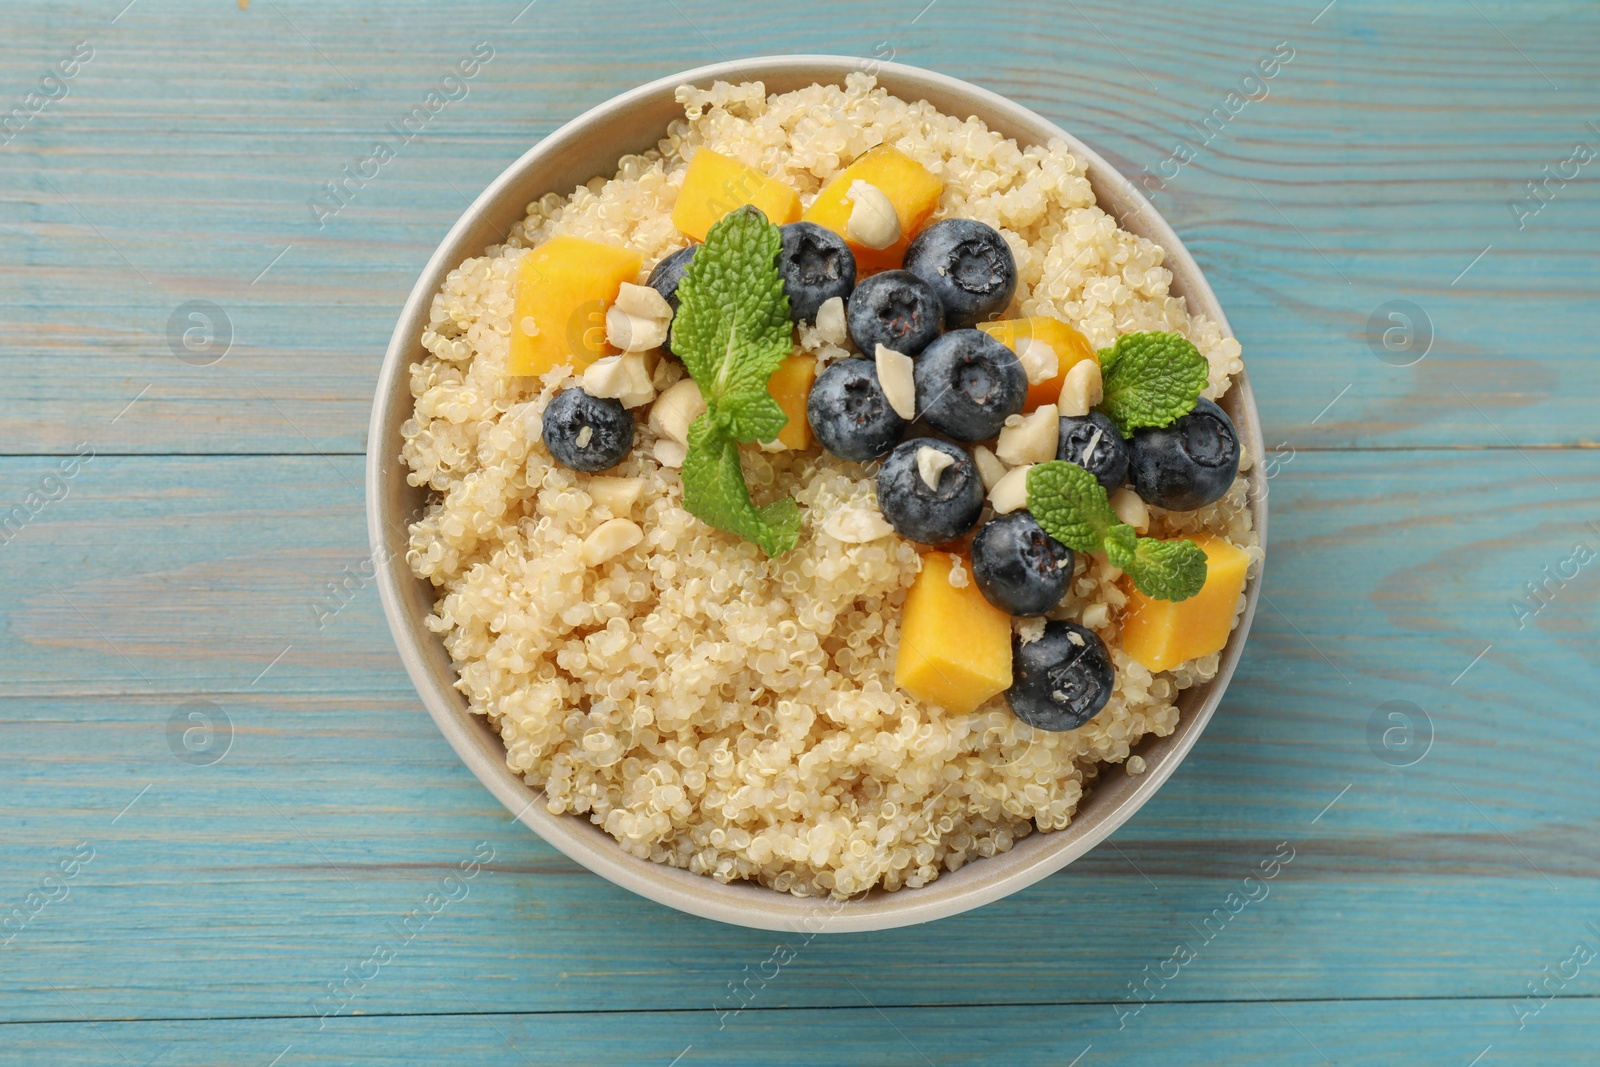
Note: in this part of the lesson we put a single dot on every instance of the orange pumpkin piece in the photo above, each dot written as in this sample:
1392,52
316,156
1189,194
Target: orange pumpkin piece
1163,633
563,289
1070,347
911,188
955,646
790,386
717,184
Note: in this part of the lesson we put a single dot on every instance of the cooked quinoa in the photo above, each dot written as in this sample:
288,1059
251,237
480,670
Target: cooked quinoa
714,709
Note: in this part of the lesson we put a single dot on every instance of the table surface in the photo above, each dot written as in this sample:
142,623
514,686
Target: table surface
188,555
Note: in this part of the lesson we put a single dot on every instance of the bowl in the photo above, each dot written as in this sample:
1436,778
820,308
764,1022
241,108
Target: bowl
591,145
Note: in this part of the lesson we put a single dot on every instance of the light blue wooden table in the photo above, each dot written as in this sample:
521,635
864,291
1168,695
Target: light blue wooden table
172,528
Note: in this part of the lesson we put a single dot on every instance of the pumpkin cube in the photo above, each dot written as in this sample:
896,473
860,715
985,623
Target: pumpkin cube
1163,633
911,188
1070,347
790,386
717,184
563,289
955,646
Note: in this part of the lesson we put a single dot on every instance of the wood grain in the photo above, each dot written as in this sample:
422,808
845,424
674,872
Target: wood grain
190,559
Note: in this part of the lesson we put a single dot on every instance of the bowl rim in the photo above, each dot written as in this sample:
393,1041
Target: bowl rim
747,903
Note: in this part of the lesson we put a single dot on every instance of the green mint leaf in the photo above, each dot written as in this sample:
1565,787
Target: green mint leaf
753,416
732,328
714,491
1151,379
1121,546
1066,500
1166,570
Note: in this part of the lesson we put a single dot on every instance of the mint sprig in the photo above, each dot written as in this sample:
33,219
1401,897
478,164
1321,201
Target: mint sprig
1071,506
1151,379
732,330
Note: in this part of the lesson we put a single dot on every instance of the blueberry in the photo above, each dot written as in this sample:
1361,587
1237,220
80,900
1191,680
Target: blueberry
1020,569
1188,464
968,384
1108,460
587,433
666,275
849,413
1062,680
969,265
896,309
918,513
816,265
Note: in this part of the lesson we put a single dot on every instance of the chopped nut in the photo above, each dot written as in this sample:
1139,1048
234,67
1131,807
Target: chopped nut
1011,492
774,445
830,321
642,301
670,453
1131,509
585,435
1075,638
1034,440
1030,629
617,494
639,318
931,463
873,222
1038,359
1095,617
625,378
856,526
894,378
610,538
674,410
990,469
1082,389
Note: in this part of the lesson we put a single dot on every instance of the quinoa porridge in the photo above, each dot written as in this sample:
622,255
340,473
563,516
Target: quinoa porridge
739,714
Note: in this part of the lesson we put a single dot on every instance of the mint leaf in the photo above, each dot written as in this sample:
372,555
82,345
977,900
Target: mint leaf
1151,379
752,416
1167,570
1070,505
714,491
1121,547
732,330
1066,500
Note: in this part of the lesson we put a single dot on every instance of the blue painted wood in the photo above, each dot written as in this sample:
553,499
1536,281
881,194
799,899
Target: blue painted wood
222,897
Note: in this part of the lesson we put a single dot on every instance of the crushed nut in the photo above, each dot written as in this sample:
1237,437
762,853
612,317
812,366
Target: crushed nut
1011,492
894,378
831,322
617,494
873,221
990,469
856,526
610,538
638,319
1082,389
1131,509
1033,440
674,410
931,463
1038,359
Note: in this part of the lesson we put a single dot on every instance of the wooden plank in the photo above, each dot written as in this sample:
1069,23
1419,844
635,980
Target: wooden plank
1372,171
1365,1033
338,808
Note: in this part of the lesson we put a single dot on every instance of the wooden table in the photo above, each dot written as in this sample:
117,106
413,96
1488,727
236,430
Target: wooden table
218,791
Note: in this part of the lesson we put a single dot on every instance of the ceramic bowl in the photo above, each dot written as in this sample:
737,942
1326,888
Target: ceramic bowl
589,146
